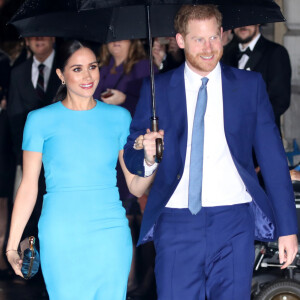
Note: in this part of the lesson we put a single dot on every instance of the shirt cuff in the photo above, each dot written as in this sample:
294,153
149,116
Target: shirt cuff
149,170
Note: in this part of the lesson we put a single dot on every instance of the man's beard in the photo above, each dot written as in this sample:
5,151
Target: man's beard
247,39
203,66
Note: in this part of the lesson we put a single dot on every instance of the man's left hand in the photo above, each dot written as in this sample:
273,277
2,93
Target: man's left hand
288,248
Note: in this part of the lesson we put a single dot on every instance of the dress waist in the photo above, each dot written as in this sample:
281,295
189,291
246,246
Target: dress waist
80,188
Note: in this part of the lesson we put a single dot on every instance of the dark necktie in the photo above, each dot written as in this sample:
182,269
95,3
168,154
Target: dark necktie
40,82
241,53
196,162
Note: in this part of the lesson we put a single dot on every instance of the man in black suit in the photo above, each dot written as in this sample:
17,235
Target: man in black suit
249,50
33,84
25,93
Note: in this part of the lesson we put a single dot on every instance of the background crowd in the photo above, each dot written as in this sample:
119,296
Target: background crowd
28,81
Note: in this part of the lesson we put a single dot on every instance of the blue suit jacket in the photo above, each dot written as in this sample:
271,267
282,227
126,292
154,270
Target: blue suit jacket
248,123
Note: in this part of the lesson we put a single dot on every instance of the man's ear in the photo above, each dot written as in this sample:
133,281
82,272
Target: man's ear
180,41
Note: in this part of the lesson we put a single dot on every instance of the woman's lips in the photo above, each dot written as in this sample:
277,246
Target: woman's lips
87,86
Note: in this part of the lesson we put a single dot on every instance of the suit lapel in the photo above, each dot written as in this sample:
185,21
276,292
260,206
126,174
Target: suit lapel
177,102
28,81
53,83
27,78
230,91
256,55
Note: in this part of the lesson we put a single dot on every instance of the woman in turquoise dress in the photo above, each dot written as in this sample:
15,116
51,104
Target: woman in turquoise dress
85,242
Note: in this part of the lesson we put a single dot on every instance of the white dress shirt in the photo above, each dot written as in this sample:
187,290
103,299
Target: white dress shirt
47,70
222,184
244,59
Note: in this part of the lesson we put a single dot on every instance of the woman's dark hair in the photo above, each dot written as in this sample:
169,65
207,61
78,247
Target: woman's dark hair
65,51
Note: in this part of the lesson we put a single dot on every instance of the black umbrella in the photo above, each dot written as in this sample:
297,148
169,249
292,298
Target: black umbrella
109,20
112,20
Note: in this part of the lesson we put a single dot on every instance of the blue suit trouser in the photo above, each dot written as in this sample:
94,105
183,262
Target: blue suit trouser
205,256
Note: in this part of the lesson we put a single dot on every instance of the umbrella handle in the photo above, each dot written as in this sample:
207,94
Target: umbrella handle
158,141
159,150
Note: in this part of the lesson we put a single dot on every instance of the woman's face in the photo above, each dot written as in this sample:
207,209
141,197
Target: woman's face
119,48
81,74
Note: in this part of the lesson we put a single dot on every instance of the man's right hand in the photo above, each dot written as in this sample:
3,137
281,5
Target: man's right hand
149,145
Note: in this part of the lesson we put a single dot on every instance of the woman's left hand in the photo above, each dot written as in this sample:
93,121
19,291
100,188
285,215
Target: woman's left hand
15,261
138,143
117,97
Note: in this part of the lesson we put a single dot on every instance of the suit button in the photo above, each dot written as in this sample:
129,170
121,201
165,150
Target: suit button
139,172
178,176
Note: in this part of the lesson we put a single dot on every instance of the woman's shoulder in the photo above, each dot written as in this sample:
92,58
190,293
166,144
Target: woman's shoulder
44,111
42,119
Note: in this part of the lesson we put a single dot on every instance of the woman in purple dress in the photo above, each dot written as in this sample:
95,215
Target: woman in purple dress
123,66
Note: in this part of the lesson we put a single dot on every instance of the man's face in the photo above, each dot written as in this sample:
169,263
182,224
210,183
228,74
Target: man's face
40,46
202,45
246,34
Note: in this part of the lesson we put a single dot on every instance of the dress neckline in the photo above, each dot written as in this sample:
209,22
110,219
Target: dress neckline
85,110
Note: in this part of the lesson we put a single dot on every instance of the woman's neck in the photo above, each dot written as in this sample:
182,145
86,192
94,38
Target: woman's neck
79,103
119,59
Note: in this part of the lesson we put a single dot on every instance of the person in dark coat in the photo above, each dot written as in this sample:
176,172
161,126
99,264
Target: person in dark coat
249,50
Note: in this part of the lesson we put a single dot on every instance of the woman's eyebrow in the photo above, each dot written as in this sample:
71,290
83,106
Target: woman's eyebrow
76,66
79,65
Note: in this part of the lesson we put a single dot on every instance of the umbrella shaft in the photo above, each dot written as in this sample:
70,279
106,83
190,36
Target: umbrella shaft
151,63
154,124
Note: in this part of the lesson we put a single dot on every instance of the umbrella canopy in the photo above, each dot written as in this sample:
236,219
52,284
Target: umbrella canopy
111,20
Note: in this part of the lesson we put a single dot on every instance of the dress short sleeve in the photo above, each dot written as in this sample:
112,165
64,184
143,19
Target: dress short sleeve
126,120
33,137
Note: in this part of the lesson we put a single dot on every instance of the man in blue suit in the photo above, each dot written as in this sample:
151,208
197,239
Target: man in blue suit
206,206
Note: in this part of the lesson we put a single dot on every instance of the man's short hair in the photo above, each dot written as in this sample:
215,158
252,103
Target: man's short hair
195,12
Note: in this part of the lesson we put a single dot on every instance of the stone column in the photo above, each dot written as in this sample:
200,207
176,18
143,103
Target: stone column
291,40
279,27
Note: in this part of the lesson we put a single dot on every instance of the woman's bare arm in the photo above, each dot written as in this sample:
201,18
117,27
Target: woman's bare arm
24,204
137,185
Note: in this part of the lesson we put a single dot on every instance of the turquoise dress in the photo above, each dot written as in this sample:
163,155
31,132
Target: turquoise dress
85,241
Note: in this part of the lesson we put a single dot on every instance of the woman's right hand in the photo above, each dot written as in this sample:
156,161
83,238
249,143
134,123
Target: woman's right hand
15,261
117,97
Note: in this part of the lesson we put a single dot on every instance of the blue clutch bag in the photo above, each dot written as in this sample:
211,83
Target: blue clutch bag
30,257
